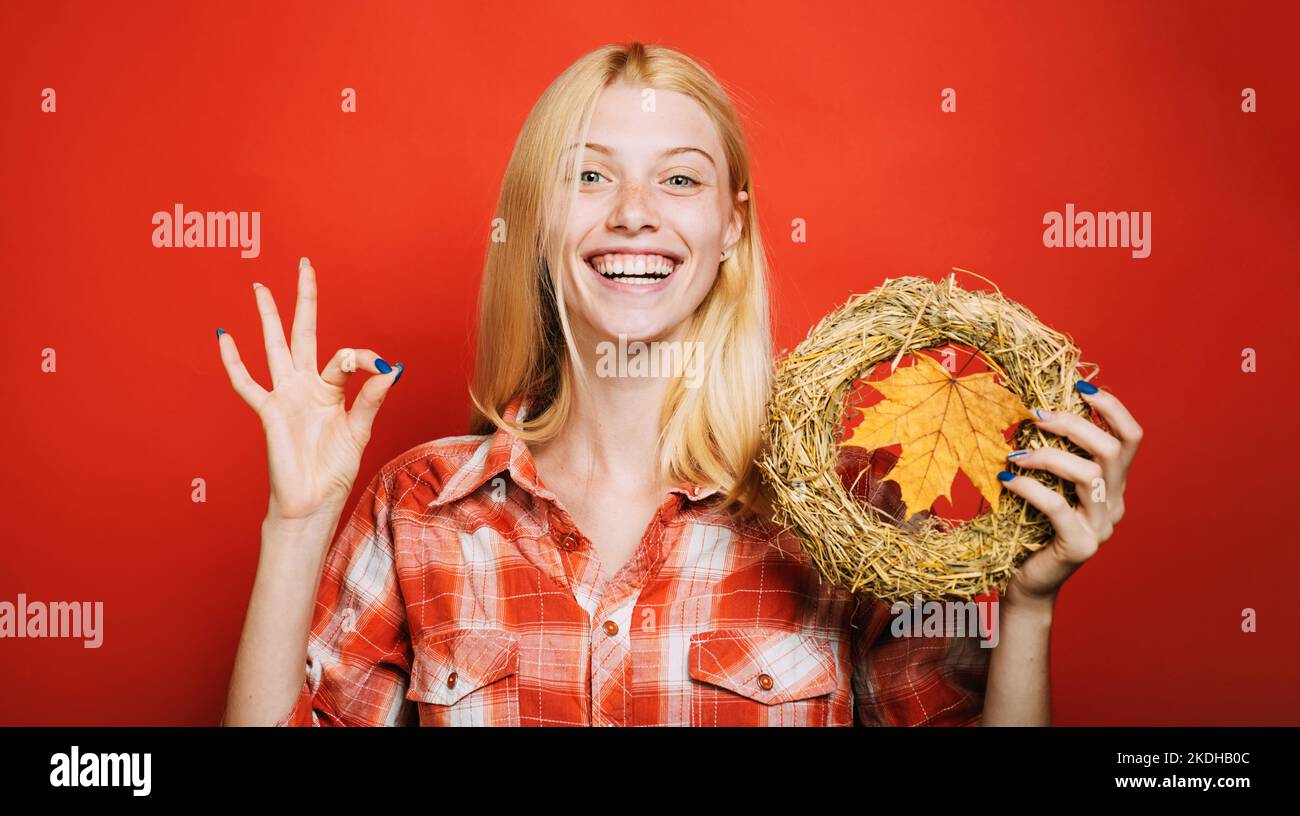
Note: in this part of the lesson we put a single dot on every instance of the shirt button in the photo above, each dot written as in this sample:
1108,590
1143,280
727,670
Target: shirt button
611,628
451,680
567,543
765,681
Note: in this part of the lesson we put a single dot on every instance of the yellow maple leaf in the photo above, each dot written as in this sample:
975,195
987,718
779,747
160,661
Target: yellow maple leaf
944,424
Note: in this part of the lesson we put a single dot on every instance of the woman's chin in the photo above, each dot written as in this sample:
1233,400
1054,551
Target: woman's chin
630,332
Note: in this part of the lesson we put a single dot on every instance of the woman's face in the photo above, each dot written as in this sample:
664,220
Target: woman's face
652,216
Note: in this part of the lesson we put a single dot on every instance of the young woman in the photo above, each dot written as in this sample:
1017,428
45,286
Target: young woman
598,551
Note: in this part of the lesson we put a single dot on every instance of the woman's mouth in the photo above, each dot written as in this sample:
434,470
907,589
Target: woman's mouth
638,271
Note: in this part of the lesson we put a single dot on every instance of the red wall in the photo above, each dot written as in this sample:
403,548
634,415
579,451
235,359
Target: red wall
236,106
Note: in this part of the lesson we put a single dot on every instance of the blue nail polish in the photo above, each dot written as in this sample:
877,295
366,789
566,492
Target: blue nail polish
383,367
220,332
1085,387
1040,413
1017,454
1006,475
400,369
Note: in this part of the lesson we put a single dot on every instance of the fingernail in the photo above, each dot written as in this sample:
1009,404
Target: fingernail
400,369
1017,454
383,367
303,262
256,284
1085,387
220,332
1042,413
1005,475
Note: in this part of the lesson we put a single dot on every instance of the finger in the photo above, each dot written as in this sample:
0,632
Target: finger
277,352
1121,422
1086,435
362,416
1086,474
347,360
245,386
304,319
1104,448
1075,542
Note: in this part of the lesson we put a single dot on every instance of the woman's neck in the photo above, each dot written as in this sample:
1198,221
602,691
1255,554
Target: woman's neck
611,438
612,433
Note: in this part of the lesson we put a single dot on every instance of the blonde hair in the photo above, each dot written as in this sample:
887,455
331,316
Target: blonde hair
710,435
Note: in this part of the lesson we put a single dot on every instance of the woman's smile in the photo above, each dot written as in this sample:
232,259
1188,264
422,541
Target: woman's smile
638,272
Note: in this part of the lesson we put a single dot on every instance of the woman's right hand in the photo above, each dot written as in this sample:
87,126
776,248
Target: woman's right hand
313,443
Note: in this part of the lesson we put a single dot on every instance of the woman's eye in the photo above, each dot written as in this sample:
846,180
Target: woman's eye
678,180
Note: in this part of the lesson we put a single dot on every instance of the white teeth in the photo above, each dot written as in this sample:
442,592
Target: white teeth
637,269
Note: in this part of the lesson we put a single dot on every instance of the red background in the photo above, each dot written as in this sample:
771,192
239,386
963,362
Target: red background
236,106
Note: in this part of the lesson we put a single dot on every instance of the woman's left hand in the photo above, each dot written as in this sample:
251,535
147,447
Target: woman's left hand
1099,484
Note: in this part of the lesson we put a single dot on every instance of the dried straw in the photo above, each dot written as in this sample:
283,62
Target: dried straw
858,546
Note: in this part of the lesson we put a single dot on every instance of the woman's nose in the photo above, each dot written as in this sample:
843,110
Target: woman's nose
632,209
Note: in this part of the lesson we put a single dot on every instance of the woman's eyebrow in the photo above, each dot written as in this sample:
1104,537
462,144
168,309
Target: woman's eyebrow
672,151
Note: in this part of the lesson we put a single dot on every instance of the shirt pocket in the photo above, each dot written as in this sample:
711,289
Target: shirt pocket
760,676
467,677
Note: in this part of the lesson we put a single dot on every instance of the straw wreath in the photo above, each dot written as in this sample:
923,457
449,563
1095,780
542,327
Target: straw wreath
858,546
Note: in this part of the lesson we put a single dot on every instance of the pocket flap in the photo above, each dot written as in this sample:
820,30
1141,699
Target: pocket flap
450,665
768,665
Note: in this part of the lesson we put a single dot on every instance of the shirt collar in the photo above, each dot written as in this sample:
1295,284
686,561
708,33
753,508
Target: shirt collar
503,451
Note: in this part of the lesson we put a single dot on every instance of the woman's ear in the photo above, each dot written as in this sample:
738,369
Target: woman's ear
737,225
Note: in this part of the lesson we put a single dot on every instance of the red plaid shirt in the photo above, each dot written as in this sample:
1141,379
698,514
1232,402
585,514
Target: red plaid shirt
460,592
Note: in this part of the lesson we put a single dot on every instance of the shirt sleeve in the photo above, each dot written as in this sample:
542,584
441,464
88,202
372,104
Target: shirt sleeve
359,650
900,680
